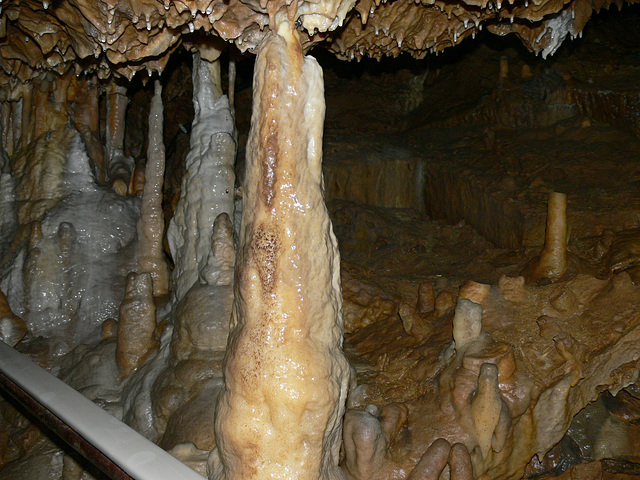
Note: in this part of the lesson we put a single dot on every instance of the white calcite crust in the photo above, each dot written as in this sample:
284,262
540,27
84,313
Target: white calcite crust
208,183
70,277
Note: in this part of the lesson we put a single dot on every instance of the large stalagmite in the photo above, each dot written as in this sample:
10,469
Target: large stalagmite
285,374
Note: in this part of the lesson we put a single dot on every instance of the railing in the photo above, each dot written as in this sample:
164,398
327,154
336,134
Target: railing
115,448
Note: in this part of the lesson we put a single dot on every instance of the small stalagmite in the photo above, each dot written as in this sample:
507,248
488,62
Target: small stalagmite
286,377
486,407
365,444
432,462
467,323
136,338
552,262
151,223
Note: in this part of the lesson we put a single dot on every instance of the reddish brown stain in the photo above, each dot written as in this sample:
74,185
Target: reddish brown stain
264,249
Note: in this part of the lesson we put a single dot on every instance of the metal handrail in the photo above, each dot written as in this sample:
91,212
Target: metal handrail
115,448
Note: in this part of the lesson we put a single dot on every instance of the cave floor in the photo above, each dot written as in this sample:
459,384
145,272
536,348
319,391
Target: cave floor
389,254
497,153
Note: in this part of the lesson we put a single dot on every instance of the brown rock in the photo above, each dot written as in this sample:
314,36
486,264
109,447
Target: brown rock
12,328
136,324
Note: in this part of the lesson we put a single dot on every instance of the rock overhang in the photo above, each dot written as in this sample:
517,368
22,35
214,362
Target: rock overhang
122,37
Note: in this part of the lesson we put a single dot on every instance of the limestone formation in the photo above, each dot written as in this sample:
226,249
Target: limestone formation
552,262
208,184
12,328
285,375
136,324
150,226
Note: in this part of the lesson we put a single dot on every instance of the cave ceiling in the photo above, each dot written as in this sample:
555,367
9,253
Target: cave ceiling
122,37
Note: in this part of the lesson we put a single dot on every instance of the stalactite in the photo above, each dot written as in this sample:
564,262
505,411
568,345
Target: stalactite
117,102
150,225
8,213
26,115
86,118
232,85
285,374
16,123
39,122
120,167
208,183
7,131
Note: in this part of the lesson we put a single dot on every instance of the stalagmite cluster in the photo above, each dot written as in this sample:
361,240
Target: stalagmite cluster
175,257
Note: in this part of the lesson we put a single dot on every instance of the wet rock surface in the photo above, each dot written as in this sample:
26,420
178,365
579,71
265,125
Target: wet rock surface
437,182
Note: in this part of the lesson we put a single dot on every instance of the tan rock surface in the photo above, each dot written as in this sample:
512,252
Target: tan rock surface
539,384
136,338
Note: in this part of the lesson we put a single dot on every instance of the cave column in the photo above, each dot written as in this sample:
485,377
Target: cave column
280,416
